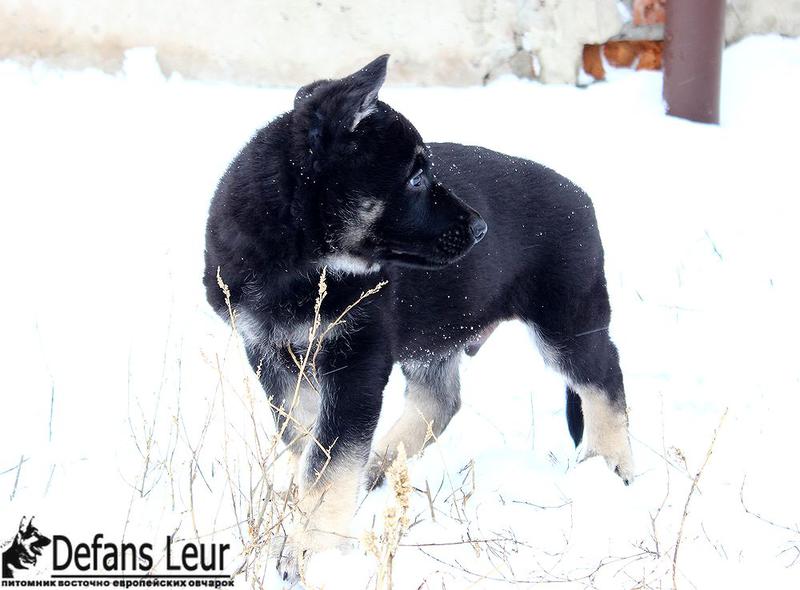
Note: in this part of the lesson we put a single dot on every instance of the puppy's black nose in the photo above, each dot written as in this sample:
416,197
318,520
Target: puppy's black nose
477,227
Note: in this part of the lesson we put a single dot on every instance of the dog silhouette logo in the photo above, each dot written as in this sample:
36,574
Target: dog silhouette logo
24,549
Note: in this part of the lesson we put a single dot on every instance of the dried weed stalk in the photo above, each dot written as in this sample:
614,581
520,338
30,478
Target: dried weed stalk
395,521
270,510
685,515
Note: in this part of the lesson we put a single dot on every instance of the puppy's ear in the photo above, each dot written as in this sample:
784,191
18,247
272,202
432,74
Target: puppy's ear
326,112
307,91
360,91
340,105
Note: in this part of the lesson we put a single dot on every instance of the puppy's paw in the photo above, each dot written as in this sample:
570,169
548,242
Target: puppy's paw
291,563
618,457
625,472
375,473
288,569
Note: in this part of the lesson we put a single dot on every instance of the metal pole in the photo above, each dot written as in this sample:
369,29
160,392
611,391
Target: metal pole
693,39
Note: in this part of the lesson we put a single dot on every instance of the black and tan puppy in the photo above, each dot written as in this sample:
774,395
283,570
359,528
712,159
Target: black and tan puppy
465,237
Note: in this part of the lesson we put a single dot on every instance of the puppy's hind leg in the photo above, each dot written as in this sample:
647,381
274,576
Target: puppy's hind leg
574,341
432,399
591,369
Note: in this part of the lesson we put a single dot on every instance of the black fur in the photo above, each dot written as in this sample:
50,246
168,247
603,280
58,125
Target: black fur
296,198
574,416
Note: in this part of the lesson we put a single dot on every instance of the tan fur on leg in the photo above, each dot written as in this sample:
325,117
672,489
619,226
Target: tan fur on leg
325,509
432,399
301,411
419,424
606,431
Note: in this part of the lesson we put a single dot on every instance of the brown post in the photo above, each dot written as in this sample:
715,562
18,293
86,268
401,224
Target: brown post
693,40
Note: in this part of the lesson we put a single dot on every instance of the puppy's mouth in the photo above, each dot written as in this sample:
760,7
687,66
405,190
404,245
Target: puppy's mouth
416,260
437,257
449,247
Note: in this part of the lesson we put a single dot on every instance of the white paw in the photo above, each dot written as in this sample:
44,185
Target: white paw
617,454
291,561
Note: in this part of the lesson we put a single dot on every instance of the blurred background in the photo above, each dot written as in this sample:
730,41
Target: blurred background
288,42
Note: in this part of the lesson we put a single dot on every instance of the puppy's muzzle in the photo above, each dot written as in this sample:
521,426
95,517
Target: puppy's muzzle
457,240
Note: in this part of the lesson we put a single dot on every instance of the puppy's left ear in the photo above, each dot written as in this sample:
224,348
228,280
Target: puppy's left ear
360,91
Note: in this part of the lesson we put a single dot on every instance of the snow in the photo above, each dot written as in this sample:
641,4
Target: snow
108,343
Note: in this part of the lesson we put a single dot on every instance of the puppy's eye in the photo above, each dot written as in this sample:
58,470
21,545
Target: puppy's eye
417,179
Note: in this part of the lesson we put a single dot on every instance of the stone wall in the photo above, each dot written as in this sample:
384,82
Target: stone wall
287,42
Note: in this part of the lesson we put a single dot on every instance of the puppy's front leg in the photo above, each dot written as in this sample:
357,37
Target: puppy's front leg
432,399
352,373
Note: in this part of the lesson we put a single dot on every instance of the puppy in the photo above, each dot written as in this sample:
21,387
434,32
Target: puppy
465,238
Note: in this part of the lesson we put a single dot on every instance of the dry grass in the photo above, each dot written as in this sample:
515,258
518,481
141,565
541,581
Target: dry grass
395,521
267,505
273,511
172,440
692,490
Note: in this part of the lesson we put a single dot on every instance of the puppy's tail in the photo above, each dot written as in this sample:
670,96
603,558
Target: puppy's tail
574,416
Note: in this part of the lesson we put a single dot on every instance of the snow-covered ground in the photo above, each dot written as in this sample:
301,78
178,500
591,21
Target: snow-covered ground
124,406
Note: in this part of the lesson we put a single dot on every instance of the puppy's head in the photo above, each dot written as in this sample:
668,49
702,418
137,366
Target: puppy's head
377,195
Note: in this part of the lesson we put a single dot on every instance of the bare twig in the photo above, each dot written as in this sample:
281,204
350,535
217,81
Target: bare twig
689,499
16,479
795,529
